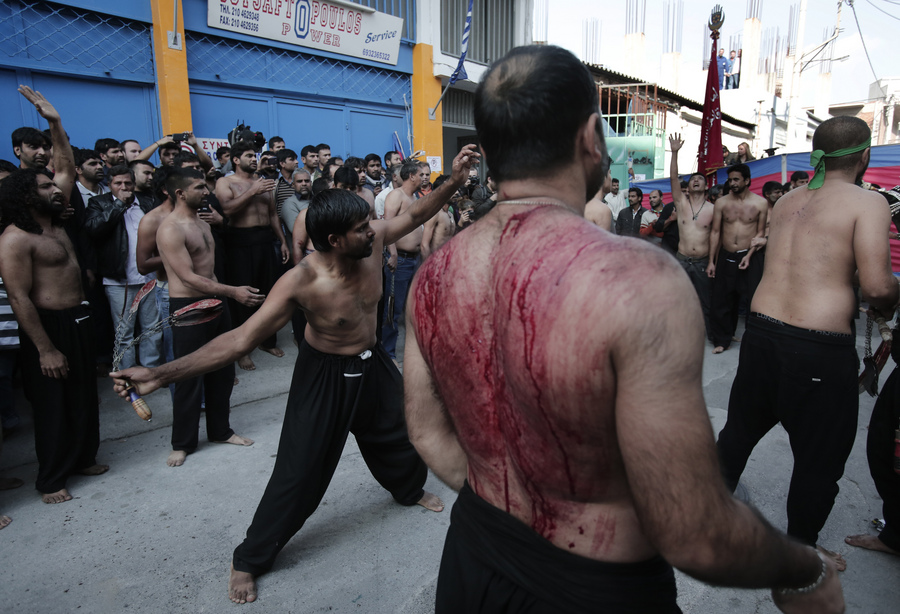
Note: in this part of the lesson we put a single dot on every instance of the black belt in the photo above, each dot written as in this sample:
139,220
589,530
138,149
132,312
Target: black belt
400,252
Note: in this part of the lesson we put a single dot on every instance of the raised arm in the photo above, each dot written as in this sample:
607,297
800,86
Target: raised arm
424,208
16,270
274,313
205,162
670,459
63,158
170,240
675,144
430,429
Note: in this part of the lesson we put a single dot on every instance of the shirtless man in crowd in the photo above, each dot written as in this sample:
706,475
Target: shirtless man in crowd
57,355
798,362
695,217
438,230
347,382
253,226
739,217
596,210
404,255
579,484
187,250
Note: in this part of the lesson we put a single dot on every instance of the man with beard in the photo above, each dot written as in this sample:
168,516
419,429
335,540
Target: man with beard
798,362
253,226
186,247
579,485
43,282
739,217
344,381
374,177
90,174
110,152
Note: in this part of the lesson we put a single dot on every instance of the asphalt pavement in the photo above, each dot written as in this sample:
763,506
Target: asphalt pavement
146,537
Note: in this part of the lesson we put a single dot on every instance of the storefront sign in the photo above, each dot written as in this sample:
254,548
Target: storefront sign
327,26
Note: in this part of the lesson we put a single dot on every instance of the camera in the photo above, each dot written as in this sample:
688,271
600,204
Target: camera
181,137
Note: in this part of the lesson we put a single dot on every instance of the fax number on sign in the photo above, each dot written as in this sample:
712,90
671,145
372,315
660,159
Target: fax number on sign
377,55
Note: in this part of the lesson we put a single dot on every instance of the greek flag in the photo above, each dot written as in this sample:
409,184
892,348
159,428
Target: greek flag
460,72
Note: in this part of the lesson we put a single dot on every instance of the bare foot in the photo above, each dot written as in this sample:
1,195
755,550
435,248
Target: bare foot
4,521
431,502
176,458
93,470
839,561
241,587
10,483
736,339
870,542
276,351
245,363
56,497
718,349
236,382
237,440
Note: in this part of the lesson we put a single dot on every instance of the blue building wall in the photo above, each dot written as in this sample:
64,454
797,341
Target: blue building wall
307,97
95,67
94,60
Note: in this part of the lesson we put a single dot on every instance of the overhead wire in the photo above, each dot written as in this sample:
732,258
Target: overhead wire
862,39
874,6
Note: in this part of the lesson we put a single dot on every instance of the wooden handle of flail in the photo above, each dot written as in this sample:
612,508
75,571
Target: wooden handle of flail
139,405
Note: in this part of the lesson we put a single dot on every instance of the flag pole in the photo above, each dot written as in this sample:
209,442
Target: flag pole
433,111
460,72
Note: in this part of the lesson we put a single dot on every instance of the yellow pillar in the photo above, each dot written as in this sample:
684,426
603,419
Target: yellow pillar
428,134
171,68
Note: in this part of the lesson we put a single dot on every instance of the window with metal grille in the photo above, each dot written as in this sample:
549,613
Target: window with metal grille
47,36
492,32
220,60
398,8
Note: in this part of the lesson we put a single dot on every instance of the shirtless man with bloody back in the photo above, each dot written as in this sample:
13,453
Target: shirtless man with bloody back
579,484
739,217
798,363
253,226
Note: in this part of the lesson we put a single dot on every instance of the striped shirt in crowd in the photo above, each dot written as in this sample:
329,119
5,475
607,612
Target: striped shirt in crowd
9,329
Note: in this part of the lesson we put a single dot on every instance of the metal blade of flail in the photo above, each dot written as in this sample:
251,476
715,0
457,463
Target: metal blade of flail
144,291
198,313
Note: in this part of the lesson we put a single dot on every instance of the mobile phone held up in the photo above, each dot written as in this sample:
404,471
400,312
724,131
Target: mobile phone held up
183,136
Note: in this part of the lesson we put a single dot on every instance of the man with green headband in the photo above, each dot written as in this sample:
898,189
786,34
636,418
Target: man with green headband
798,362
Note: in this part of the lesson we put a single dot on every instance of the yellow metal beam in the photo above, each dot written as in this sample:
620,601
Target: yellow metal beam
428,134
171,68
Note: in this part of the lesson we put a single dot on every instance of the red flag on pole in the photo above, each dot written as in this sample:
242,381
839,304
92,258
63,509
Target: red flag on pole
710,154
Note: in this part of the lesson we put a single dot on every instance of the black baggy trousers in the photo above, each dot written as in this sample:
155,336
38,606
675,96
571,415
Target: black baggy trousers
807,381
66,411
330,397
216,384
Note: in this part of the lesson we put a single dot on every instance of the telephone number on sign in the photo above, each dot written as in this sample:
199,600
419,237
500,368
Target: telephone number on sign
378,55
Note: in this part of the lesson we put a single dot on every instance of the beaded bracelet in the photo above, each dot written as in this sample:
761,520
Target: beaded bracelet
809,588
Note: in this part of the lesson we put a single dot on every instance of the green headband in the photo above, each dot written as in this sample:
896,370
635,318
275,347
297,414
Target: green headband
817,161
